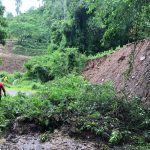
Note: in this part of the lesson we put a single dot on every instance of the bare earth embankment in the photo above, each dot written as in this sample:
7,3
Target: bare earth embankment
10,61
128,68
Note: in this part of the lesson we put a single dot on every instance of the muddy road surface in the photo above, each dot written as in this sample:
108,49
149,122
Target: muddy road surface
56,141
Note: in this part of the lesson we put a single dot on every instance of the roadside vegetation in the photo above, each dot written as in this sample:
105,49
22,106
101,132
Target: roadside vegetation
63,42
83,107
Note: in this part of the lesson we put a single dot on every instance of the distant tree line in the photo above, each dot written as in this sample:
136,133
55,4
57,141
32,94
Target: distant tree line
97,25
2,25
90,25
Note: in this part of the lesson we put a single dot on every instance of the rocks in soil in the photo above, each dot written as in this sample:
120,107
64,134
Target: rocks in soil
142,58
114,67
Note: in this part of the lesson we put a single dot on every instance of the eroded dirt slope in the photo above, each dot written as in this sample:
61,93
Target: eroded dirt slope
128,68
10,61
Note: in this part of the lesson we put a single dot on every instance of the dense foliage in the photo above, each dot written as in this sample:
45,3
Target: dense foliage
123,20
61,32
91,26
74,102
18,5
27,29
55,65
94,26
2,25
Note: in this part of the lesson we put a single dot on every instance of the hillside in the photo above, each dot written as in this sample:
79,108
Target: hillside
128,68
70,86
10,61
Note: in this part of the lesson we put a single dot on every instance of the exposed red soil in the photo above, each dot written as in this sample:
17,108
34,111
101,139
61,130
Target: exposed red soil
10,61
116,65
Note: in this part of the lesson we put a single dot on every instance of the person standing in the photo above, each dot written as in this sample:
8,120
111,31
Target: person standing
2,88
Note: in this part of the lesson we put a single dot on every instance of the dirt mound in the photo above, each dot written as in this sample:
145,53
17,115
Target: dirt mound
10,61
128,68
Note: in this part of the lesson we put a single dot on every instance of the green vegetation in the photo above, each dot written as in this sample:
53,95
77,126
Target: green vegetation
73,101
90,26
2,25
64,34
56,64
32,38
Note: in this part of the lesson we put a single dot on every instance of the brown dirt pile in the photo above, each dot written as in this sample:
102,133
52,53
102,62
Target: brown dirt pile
10,61
128,68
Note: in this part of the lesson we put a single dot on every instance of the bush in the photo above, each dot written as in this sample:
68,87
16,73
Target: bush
4,74
11,77
3,120
56,65
116,137
95,108
17,75
66,88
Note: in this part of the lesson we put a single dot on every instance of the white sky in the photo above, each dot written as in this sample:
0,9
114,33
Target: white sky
26,4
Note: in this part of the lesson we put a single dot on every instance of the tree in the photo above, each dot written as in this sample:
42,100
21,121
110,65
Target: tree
18,5
123,20
2,25
76,29
30,30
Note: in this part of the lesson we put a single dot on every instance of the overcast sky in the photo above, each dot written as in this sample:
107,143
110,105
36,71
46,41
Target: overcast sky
26,4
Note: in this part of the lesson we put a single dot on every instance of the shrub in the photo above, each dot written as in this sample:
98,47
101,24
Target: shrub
3,120
116,137
4,74
73,101
17,75
58,64
64,89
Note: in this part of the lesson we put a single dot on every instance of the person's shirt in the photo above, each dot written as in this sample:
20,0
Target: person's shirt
2,88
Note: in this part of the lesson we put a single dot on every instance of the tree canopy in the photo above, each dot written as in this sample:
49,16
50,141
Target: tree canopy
90,25
2,25
65,35
18,5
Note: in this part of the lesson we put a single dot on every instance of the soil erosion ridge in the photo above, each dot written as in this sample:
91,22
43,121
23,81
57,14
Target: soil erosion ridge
128,68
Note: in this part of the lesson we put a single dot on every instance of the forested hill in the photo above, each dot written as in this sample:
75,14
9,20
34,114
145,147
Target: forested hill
91,26
84,79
